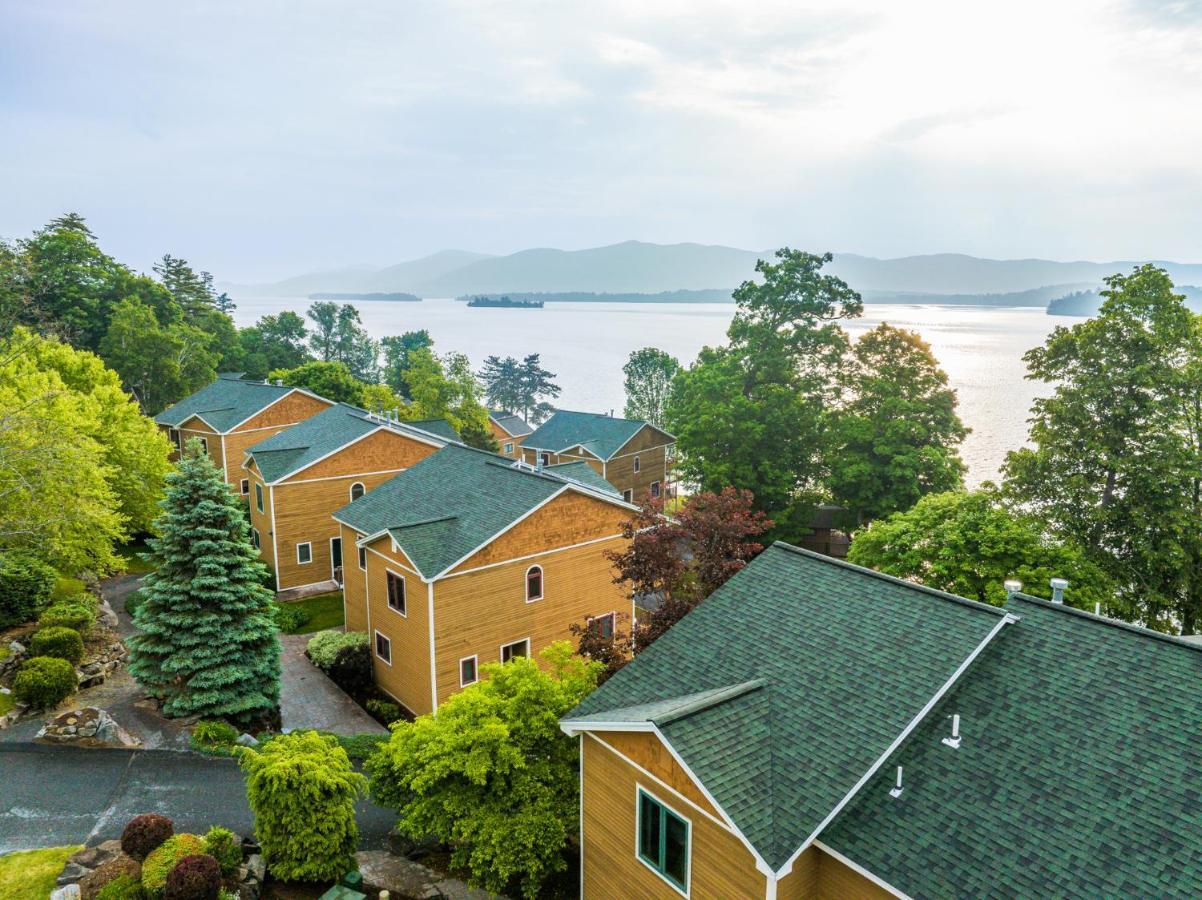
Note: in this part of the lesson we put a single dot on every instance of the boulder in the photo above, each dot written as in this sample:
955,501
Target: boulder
88,727
247,740
95,857
118,865
66,892
256,868
71,874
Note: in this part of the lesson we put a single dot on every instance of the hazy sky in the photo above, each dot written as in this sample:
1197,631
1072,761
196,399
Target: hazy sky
260,139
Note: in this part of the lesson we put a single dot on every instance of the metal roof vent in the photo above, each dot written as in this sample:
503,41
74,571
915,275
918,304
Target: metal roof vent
954,740
897,789
1012,586
1058,586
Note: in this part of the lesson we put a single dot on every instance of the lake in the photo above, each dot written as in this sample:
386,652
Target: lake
585,344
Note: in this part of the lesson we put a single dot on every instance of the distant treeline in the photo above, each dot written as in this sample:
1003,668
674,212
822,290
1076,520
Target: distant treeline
397,295
1088,303
1039,296
708,295
504,302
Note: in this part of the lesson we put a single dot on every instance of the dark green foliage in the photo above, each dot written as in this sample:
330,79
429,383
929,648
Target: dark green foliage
396,358
132,601
160,862
78,612
338,336
384,710
26,584
214,737
331,380
59,642
44,681
323,647
302,790
523,387
351,669
196,877
123,887
207,643
290,618
144,834
223,845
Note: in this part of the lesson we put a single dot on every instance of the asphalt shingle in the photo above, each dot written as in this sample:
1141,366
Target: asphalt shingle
224,403
601,435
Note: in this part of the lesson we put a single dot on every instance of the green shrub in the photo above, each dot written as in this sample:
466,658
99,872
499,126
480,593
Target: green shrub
208,735
290,618
323,647
351,669
76,612
44,681
144,834
26,585
123,887
132,601
196,877
121,865
158,865
384,710
302,790
57,641
223,845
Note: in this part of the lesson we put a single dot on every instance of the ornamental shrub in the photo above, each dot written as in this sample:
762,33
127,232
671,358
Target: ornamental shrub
26,584
158,865
75,612
196,877
57,641
121,865
324,646
351,669
302,790
44,681
223,845
144,834
209,735
385,710
289,617
123,887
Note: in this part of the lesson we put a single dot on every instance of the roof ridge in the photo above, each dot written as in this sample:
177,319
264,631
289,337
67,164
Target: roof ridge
714,697
893,579
429,521
1138,630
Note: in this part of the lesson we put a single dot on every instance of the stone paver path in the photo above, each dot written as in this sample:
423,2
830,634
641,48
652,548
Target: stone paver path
308,699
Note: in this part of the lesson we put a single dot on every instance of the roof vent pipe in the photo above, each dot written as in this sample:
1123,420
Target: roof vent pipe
897,790
954,740
1012,586
1058,586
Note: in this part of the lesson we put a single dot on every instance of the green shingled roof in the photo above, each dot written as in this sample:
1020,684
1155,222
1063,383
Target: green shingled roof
1079,772
847,659
319,436
579,470
513,424
224,403
601,435
440,427
450,503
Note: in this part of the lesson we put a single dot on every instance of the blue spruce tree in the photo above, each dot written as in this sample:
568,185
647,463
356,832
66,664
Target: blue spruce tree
207,641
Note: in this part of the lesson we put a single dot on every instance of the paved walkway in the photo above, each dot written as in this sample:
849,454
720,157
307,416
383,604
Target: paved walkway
308,699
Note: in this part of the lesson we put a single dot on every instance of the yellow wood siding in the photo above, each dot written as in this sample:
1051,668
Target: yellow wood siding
649,752
280,416
354,587
720,866
503,437
261,521
835,881
195,428
408,678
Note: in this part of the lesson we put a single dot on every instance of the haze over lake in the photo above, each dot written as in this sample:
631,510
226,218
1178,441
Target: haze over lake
585,344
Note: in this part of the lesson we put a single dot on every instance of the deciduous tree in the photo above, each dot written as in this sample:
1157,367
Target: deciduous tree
396,357
649,373
331,380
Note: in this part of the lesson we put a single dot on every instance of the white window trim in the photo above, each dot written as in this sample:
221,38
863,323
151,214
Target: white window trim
204,442
613,614
361,552
628,495
244,487
655,490
638,466
404,614
542,583
255,539
475,668
509,447
501,650
173,435
258,496
688,843
304,562
351,492
375,647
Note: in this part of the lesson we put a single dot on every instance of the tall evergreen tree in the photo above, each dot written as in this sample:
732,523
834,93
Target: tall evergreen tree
207,641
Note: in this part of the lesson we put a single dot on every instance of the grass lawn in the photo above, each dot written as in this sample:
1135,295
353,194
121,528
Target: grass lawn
325,611
30,874
131,561
6,703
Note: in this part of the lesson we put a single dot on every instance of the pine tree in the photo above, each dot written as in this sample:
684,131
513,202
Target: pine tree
207,641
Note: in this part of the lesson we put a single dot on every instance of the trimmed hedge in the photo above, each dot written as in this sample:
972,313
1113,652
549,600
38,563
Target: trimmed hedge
26,586
159,864
57,641
44,681
76,612
144,834
323,647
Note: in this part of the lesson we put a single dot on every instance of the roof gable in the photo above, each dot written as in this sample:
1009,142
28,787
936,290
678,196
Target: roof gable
224,403
601,435
512,424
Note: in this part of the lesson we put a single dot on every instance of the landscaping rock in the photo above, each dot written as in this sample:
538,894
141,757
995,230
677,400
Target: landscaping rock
256,868
94,728
107,616
95,857
384,871
71,874
247,740
67,892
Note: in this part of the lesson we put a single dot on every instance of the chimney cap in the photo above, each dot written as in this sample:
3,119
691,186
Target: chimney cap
1012,585
1059,583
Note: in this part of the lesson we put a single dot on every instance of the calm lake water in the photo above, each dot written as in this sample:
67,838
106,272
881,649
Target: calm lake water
585,344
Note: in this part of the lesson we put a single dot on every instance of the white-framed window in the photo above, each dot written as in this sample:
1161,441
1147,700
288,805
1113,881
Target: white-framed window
244,487
383,649
468,671
204,445
628,495
173,435
534,584
662,841
357,491
655,489
603,626
638,466
363,558
509,448
396,592
304,553
546,459
514,650
259,497
255,541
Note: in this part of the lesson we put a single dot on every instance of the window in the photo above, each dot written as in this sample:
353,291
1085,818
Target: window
516,649
357,491
628,495
396,592
602,626
259,497
254,538
534,584
467,671
304,553
638,467
383,648
663,841
204,445
245,486
508,448
546,459
655,489
363,558
173,434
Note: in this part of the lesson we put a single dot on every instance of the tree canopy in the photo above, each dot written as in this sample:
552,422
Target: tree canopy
338,336
523,387
648,382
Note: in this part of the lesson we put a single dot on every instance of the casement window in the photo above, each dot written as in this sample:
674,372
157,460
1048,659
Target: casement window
655,489
259,497
508,448
467,671
255,541
516,649
173,435
628,495
663,841
534,584
396,592
638,466
244,487
363,558
383,648
602,626
357,491
304,553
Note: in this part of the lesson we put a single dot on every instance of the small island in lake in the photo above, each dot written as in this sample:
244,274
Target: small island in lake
504,302
397,295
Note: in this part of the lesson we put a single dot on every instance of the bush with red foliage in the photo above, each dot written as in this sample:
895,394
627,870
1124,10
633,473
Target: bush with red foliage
144,833
196,877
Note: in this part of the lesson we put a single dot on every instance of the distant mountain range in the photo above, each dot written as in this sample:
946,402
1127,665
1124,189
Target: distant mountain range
635,267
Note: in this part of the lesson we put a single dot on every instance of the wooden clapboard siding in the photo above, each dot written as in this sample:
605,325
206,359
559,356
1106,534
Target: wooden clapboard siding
382,450
649,752
293,408
354,587
261,521
802,882
503,437
720,866
650,446
408,678
477,612
835,881
574,454
196,428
